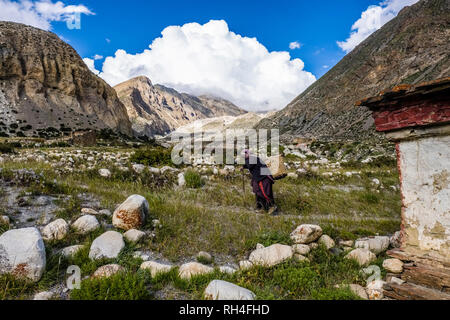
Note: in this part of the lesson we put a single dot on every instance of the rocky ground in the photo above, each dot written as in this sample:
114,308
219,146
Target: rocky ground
140,231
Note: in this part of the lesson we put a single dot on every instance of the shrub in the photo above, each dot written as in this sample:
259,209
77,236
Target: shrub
297,281
14,289
6,148
334,294
129,286
152,156
193,179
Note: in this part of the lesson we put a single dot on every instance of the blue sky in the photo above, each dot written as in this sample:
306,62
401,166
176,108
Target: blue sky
258,54
133,24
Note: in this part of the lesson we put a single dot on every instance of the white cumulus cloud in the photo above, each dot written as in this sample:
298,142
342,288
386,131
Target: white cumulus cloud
210,59
371,20
295,45
39,14
91,65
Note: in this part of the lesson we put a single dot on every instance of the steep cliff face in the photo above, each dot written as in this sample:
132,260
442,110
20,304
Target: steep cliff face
411,48
157,110
45,87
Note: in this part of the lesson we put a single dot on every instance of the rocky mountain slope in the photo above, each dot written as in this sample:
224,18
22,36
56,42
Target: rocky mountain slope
412,48
46,89
157,110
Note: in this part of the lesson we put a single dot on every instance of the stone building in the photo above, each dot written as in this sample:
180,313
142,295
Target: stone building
417,119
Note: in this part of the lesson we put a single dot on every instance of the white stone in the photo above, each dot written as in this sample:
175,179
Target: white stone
272,255
4,220
327,241
22,253
57,230
300,258
156,268
306,234
191,269
376,244
154,170
346,243
138,168
105,212
71,251
375,289
227,269
245,265
359,291
202,255
362,256
89,211
393,265
131,214
302,249
259,246
376,182
108,245
134,235
292,175
86,224
104,173
108,271
181,180
43,296
396,280
222,290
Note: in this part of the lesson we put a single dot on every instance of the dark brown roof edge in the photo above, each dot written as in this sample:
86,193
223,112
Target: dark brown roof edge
406,91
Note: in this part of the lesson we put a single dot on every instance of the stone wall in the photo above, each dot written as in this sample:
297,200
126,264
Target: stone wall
425,176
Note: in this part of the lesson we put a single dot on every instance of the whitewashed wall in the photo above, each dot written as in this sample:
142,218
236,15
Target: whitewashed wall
425,171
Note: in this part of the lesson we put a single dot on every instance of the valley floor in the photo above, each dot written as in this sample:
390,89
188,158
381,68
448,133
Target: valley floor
348,201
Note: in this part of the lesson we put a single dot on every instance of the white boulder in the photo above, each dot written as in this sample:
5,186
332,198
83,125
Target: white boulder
22,254
43,296
393,265
156,268
108,245
227,270
56,230
108,271
362,256
375,289
131,214
327,241
191,269
222,290
86,224
376,244
105,173
272,255
134,235
306,234
71,251
245,265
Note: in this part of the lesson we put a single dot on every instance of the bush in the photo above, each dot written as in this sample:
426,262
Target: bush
334,294
152,156
129,286
6,148
193,179
14,289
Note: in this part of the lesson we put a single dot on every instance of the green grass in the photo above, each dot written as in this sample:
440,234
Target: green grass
130,286
220,219
193,179
14,289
